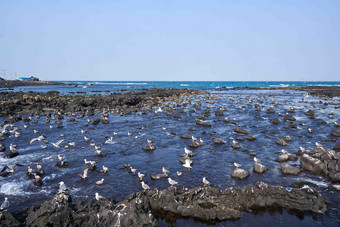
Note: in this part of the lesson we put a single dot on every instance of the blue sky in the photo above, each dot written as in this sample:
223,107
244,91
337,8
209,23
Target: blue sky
171,40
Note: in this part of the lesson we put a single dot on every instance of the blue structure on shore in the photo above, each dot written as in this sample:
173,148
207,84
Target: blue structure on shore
32,78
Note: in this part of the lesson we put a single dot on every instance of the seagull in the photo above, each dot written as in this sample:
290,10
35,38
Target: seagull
145,186
201,141
51,126
5,204
62,186
205,182
303,149
39,138
235,142
96,147
141,175
309,130
35,131
164,128
172,182
149,141
82,131
98,152
284,151
237,165
256,160
179,173
187,164
115,133
72,143
188,152
39,167
56,145
193,138
109,140
84,176
129,134
305,96
133,170
318,145
12,147
86,139
100,181
99,197
165,171
105,169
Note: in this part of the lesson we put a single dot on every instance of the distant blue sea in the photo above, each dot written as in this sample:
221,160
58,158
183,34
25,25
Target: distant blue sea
89,87
206,85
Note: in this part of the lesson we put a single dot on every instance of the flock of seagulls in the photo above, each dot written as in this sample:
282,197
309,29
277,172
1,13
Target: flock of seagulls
91,165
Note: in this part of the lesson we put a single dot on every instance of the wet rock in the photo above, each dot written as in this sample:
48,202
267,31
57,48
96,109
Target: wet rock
72,119
186,136
313,164
270,110
61,164
241,131
2,148
104,121
251,138
283,158
177,116
159,176
310,114
252,153
239,173
289,170
287,138
288,117
7,219
292,157
202,123
219,141
240,138
219,113
291,126
281,142
334,176
235,146
195,144
335,133
259,168
337,146
149,147
95,121
13,153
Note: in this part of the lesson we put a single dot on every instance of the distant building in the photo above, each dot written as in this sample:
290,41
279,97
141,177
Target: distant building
32,78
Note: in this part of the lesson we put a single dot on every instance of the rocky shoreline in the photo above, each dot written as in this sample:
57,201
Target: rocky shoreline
122,103
208,204
19,83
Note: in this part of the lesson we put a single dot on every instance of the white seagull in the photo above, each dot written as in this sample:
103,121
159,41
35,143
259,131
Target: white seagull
237,165
56,145
205,181
172,182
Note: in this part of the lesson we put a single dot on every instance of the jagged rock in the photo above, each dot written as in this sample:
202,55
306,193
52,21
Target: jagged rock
335,133
259,168
270,110
291,126
186,136
149,147
283,158
241,131
288,117
71,119
159,176
239,173
7,219
202,123
219,141
292,157
313,164
289,170
281,142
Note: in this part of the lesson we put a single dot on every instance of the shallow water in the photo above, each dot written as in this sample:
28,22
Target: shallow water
215,162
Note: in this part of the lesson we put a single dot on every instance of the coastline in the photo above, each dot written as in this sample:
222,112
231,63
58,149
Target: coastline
18,83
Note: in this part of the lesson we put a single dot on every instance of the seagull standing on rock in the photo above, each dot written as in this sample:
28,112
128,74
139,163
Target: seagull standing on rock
256,160
172,182
62,187
5,204
205,181
237,165
145,186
